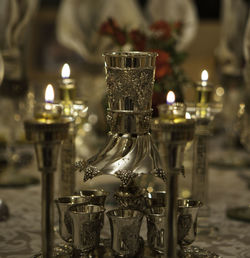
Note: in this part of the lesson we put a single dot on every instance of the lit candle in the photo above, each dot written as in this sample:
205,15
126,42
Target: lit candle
67,85
204,90
172,112
48,111
204,78
170,98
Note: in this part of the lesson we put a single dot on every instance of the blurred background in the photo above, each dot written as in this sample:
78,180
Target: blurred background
38,37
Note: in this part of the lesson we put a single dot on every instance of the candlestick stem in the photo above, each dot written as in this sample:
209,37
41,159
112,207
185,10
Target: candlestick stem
47,214
171,220
67,177
170,154
200,169
171,139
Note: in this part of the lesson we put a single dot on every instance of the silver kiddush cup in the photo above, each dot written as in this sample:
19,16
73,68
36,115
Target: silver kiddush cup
125,227
187,221
63,204
156,235
87,221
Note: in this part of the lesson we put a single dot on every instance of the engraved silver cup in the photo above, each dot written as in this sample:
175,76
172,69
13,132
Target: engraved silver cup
125,227
63,204
87,222
187,221
156,221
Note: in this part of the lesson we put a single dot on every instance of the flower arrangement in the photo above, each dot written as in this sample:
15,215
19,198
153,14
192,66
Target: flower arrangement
162,37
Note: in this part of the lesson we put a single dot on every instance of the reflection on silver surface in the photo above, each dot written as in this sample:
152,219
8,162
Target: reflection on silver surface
125,227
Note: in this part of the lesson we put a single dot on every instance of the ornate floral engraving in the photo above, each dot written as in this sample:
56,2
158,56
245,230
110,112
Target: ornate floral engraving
133,84
130,237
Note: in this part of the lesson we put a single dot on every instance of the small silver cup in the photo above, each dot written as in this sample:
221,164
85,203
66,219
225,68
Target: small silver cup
125,227
187,221
87,222
95,197
63,204
156,234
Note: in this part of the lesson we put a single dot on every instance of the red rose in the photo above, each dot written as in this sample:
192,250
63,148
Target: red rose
120,36
138,39
163,28
108,27
111,28
178,26
162,64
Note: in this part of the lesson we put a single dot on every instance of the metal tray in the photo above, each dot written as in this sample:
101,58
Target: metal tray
104,251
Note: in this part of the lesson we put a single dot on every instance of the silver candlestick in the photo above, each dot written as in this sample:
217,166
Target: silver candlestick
171,137
47,136
203,111
76,111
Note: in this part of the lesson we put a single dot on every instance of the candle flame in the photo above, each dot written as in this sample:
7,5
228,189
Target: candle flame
204,75
49,94
187,115
65,71
170,97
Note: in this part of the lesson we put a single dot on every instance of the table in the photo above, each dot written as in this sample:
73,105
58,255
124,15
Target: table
20,235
